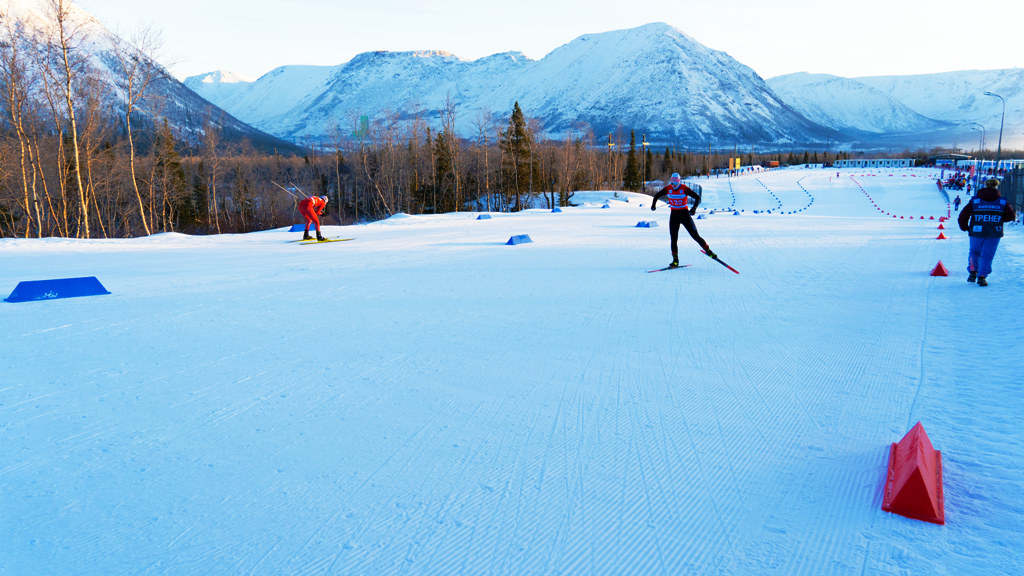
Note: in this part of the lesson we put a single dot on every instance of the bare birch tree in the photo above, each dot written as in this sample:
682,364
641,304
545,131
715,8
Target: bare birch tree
68,29
139,70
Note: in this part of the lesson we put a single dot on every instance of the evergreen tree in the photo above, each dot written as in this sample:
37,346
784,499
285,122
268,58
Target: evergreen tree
169,180
200,192
648,166
631,178
517,143
444,168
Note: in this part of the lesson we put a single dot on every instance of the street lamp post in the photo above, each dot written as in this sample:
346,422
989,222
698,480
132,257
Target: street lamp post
999,149
977,173
981,129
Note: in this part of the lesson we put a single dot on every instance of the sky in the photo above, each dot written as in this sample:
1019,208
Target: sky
867,38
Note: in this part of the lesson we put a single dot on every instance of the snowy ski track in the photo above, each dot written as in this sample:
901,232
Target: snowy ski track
426,400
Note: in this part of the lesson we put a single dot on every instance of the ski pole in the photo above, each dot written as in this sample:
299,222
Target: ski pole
286,190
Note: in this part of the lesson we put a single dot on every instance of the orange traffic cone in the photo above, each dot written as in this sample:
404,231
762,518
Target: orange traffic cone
940,270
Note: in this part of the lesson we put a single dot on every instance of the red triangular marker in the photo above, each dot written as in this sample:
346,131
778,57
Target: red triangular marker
940,270
941,227
913,485
942,236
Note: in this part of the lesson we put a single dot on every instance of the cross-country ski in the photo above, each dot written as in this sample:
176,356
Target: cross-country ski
677,267
719,260
314,240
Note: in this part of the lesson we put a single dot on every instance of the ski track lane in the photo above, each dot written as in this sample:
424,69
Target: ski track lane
695,422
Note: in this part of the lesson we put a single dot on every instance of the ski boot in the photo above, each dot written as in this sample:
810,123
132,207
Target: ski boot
707,250
675,261
319,238
972,276
306,236
982,281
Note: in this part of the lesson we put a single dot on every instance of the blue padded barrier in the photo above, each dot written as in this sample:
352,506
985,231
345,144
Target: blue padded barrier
484,217
519,239
31,290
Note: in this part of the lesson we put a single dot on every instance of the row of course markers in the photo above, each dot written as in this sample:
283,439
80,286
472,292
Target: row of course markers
879,208
774,197
808,196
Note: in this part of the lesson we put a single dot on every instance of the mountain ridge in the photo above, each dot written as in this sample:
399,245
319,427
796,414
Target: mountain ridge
700,95
850,106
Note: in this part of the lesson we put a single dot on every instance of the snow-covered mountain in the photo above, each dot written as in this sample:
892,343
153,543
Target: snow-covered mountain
958,97
850,106
168,98
653,78
217,86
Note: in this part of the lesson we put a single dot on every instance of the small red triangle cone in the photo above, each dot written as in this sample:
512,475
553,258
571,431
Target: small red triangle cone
913,486
942,236
941,227
940,270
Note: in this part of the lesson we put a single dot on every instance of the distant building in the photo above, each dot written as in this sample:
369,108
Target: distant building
948,159
1008,164
876,163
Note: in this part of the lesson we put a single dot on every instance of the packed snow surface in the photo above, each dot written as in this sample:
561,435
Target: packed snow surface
426,400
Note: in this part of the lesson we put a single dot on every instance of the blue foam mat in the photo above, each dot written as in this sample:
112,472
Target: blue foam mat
32,290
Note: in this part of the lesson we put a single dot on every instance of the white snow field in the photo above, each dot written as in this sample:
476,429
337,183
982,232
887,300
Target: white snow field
426,400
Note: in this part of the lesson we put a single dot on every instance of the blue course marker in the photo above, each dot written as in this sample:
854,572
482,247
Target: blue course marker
33,290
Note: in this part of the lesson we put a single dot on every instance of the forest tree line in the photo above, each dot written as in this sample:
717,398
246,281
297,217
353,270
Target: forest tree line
85,152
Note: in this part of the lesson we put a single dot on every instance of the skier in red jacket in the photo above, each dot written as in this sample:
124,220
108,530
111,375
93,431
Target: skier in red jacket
311,208
679,195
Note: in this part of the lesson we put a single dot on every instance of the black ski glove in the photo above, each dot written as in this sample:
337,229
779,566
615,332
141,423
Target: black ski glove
653,207
693,211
